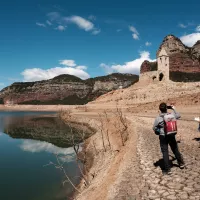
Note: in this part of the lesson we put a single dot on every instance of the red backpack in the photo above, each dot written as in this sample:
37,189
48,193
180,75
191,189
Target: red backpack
170,122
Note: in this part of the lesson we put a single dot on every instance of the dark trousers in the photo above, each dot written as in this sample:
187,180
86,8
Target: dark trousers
171,140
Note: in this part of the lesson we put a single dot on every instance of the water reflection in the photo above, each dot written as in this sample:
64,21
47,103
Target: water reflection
65,154
31,142
49,129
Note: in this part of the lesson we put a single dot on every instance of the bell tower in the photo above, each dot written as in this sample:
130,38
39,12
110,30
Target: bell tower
163,66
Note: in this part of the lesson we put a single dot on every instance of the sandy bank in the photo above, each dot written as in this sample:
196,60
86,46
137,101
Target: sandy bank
114,169
112,161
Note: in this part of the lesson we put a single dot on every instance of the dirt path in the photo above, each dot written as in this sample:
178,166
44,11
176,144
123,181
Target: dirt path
182,184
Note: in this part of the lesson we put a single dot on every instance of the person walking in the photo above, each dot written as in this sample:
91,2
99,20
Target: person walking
165,126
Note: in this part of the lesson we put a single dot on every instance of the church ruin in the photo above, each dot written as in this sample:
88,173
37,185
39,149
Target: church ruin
175,62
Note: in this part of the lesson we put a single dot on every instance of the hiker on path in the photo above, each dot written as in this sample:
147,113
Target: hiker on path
165,127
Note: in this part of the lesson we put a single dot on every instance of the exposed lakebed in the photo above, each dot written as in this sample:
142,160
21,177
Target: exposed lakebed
29,141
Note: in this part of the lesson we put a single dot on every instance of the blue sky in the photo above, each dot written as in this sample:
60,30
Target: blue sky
42,39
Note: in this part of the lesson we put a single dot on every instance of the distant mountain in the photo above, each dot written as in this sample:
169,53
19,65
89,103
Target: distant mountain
64,89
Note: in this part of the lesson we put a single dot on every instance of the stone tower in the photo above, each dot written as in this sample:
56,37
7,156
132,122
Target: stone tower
163,65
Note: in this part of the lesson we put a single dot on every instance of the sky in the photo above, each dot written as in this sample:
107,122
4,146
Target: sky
42,39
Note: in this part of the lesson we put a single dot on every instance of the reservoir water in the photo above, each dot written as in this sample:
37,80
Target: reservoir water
29,144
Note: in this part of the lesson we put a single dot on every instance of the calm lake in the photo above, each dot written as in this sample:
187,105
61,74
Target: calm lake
28,143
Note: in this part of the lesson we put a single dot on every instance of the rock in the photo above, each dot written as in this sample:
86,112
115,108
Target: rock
188,189
148,66
165,194
183,196
173,45
171,197
197,186
176,186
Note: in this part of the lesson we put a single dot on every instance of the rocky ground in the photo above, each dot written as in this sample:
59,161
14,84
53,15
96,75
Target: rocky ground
182,184
137,172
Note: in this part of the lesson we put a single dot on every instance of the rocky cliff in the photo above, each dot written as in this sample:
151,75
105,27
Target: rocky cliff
148,66
173,45
64,89
184,62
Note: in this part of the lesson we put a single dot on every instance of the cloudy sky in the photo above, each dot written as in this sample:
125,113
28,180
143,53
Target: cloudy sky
42,39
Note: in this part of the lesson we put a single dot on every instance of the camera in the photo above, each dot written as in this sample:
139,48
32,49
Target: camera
169,107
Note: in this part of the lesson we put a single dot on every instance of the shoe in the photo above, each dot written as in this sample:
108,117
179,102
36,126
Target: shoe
167,172
182,166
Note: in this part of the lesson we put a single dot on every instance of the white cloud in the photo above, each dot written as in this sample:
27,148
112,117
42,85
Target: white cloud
48,22
69,63
182,25
198,28
53,16
185,25
61,28
40,24
37,74
106,68
96,31
119,30
81,67
135,36
129,67
190,39
148,44
80,22
133,29
92,17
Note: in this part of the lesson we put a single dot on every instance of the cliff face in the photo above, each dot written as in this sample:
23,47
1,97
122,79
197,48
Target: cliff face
195,51
64,89
173,45
184,62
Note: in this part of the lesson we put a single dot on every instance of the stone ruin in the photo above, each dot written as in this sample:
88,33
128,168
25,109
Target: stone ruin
175,62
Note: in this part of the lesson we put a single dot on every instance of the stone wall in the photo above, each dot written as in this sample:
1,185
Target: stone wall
149,76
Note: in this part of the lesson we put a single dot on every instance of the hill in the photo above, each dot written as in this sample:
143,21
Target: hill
64,89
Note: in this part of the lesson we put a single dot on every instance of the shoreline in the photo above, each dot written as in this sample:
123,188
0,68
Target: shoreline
35,107
105,157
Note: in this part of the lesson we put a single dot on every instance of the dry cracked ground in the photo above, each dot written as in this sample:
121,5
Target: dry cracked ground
182,184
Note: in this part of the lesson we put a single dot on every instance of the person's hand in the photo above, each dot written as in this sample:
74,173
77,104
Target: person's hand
173,107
